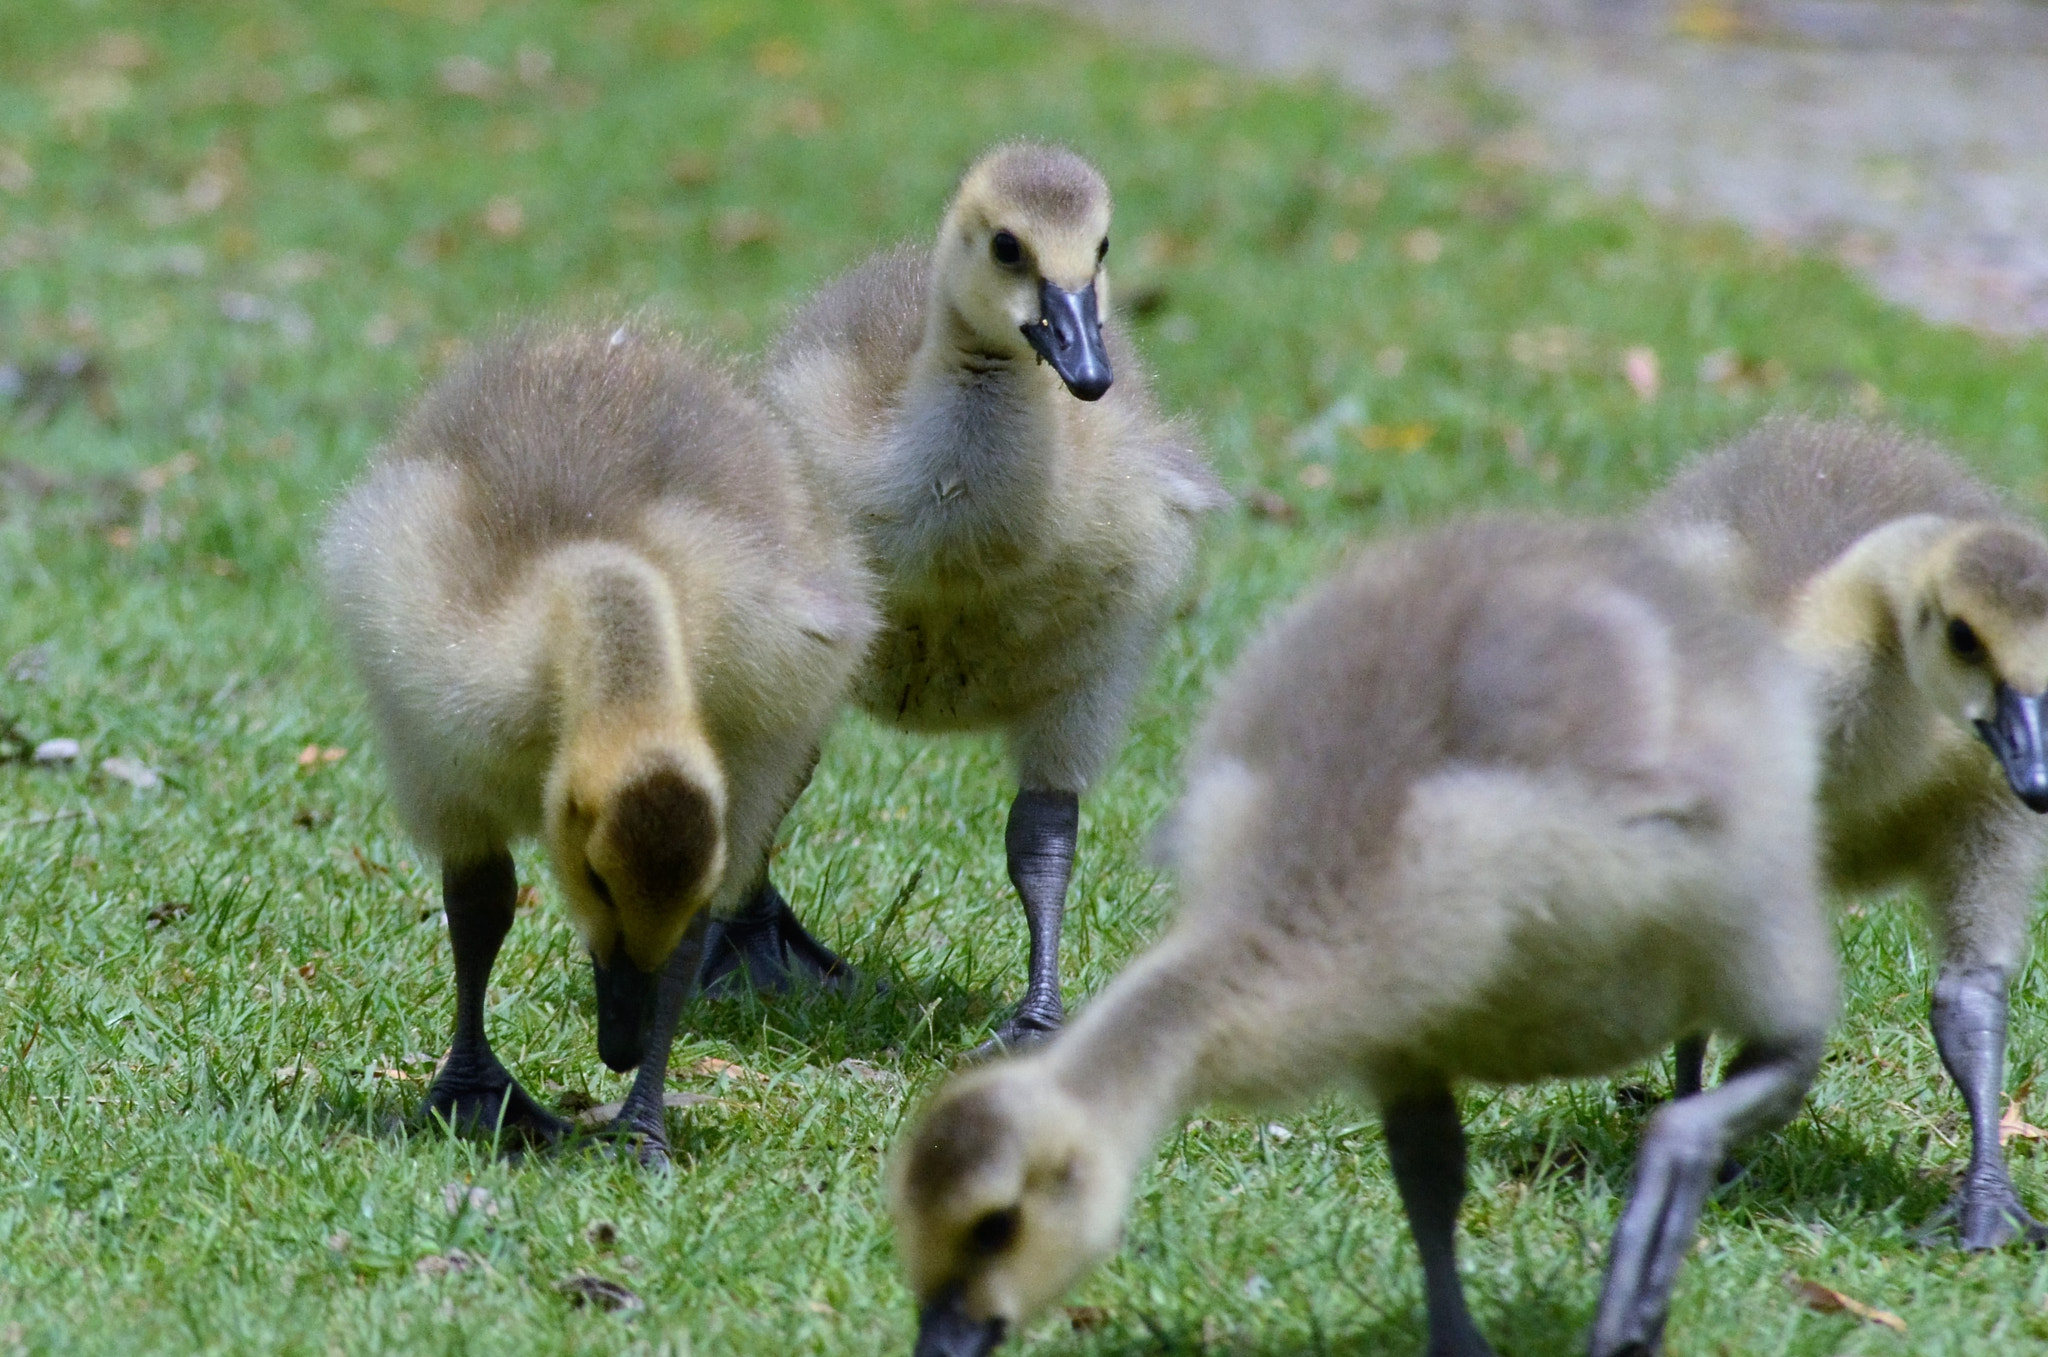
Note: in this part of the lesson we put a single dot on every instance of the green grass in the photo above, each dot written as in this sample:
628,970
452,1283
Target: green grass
195,1153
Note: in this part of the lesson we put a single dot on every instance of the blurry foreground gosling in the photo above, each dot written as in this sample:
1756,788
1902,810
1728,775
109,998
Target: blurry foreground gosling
1921,598
592,601
1031,514
1508,801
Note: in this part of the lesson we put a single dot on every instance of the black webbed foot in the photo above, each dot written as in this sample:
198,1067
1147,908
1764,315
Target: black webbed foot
1985,1213
480,1097
765,947
1027,1027
644,1132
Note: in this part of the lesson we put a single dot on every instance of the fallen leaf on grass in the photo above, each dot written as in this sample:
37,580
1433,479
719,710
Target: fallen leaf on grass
711,1065
592,1117
134,772
312,756
296,1072
1829,1301
470,77
167,913
1401,438
1085,1318
583,1289
368,865
2015,1126
445,1264
874,1074
461,1197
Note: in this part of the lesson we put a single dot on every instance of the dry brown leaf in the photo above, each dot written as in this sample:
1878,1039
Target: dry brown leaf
593,1117
167,913
442,1264
458,1198
469,77
1402,438
584,1289
712,1066
2015,1126
504,217
1085,1318
1829,1301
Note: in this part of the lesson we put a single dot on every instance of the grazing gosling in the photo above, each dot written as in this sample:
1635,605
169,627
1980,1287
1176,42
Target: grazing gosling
1922,601
593,601
1034,526
1508,801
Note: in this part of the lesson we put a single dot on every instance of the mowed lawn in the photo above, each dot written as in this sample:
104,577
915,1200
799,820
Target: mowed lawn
263,226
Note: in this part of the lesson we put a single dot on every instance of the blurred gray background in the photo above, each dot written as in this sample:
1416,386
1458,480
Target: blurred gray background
1908,137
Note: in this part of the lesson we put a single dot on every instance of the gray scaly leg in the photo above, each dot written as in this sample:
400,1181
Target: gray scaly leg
1039,842
1686,1143
473,1091
1969,1031
642,1115
1426,1146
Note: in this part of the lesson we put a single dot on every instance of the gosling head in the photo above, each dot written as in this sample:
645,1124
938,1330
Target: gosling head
1003,1196
1020,260
1978,644
636,833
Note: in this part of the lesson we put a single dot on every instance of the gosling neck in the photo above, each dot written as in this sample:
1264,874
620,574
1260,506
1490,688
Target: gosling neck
1862,606
978,444
615,648
1133,1057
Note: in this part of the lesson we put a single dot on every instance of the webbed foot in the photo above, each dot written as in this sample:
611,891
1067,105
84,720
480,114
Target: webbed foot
644,1134
480,1097
1030,1025
765,947
1986,1214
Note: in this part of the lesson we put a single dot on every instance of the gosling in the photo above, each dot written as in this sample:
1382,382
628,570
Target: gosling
1922,601
593,601
1034,526
1509,801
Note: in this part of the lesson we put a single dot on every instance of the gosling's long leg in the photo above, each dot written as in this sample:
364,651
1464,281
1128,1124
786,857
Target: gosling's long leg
1686,1143
1689,1067
1969,1018
474,1091
1426,1146
1039,843
642,1115
764,946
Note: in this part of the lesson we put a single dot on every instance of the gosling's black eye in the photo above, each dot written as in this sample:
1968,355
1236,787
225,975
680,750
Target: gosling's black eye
994,1232
1964,641
597,886
1102,250
1006,250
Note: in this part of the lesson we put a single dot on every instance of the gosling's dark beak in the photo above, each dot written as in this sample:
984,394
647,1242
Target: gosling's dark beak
944,1330
1068,334
2014,734
625,1009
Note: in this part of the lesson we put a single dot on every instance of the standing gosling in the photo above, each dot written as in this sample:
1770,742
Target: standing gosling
592,601
1033,525
1508,801
1922,600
